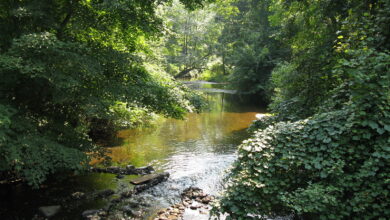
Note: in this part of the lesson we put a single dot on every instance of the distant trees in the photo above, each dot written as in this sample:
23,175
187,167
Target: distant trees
188,47
254,52
228,40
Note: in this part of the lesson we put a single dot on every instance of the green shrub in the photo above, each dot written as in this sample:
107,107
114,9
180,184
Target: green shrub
333,165
131,116
33,152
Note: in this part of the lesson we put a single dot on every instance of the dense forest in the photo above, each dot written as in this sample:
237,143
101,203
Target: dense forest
75,72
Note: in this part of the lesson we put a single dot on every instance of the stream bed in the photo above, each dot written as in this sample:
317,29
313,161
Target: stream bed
195,151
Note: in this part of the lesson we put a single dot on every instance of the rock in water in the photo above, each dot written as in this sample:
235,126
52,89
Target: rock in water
148,178
78,195
158,178
92,214
119,176
49,211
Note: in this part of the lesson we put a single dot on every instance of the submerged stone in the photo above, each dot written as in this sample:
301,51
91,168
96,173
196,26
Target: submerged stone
78,195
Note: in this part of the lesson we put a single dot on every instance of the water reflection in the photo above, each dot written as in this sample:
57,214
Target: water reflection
217,131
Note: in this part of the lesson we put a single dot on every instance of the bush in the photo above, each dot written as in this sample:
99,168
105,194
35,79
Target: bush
32,153
332,161
333,165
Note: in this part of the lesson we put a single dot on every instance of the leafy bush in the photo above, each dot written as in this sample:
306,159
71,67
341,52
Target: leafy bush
131,116
309,167
329,162
32,152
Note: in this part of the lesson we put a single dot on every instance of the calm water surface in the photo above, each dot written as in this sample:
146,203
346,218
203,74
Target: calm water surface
195,151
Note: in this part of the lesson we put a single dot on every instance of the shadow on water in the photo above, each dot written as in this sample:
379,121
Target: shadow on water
195,151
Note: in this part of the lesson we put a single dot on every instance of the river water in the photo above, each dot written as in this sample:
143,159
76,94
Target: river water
195,151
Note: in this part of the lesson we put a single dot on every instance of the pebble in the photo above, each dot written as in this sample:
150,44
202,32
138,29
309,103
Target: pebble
203,212
193,198
172,217
119,176
78,195
49,211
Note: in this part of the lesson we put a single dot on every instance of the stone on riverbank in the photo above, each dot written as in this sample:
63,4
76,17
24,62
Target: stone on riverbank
78,195
94,214
49,211
193,202
145,185
87,213
130,211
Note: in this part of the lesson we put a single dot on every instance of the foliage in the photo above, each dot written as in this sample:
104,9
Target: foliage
332,161
310,29
32,152
335,161
284,88
65,66
327,156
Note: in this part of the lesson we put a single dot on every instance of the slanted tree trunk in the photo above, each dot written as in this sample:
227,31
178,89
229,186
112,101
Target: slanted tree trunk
184,72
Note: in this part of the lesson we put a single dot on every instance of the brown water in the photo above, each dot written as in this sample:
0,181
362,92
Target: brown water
195,151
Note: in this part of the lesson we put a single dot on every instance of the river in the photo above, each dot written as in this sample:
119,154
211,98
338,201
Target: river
195,151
